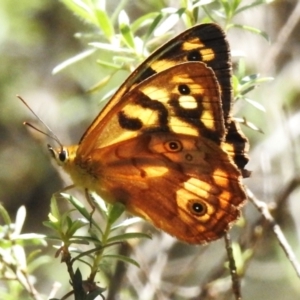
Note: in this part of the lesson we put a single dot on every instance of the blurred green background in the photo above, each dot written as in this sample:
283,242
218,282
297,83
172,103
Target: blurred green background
38,35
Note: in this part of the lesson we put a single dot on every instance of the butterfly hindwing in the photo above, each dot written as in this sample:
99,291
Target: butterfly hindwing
184,185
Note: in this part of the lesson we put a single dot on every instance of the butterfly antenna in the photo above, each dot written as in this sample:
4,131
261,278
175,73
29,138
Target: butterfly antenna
52,135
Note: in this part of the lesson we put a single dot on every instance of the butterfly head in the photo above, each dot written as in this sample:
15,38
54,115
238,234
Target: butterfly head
61,154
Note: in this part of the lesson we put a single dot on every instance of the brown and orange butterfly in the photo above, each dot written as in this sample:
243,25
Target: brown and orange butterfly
165,145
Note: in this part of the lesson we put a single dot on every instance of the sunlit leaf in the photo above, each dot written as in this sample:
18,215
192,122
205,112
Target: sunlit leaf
122,258
73,60
127,236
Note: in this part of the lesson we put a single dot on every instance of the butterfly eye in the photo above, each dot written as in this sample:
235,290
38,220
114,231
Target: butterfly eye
59,156
62,155
173,146
197,207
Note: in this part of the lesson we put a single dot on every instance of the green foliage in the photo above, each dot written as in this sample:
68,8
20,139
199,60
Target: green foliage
130,46
16,263
98,241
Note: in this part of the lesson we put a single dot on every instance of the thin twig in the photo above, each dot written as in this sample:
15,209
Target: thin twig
280,44
236,287
263,209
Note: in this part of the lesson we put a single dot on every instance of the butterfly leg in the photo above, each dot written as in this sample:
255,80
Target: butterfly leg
69,187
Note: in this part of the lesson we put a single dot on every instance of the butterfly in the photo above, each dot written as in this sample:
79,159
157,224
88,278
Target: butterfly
166,145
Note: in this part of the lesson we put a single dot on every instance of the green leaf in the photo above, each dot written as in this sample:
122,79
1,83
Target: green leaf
30,239
107,64
105,23
73,60
82,10
128,222
78,285
115,211
226,7
248,83
89,239
102,83
127,236
4,214
82,241
19,254
201,3
248,124
111,48
253,4
153,25
54,238
77,204
20,219
52,225
234,5
122,258
251,29
77,224
95,293
145,20
169,22
125,30
35,259
81,208
101,205
255,104
55,213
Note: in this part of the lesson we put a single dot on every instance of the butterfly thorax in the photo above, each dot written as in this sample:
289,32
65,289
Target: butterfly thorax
83,171
67,158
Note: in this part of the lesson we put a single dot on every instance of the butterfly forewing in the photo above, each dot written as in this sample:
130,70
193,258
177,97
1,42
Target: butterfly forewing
204,43
183,99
